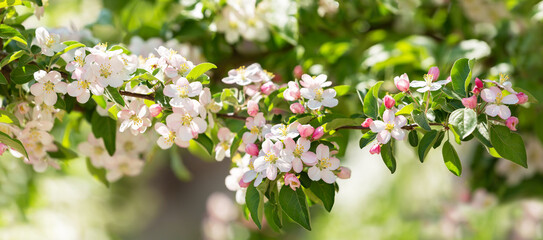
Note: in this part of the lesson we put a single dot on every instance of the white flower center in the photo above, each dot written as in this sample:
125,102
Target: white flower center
48,87
298,151
389,126
186,120
324,163
318,94
270,157
105,70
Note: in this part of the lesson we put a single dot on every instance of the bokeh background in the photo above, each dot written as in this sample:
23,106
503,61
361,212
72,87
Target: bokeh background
181,195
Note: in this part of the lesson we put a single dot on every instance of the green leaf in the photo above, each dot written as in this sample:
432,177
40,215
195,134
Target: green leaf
13,143
7,117
62,152
7,32
3,79
342,90
305,180
105,128
325,192
413,138
206,143
69,46
341,122
481,133
420,119
199,70
237,141
371,108
426,144
23,74
294,205
114,95
387,154
98,173
406,110
460,75
181,172
367,138
100,101
439,139
464,121
255,203
11,57
119,47
508,144
452,161
272,213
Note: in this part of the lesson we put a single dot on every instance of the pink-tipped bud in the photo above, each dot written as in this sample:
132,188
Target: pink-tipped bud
478,83
268,88
470,102
389,101
319,131
434,71
367,122
375,149
3,148
511,123
402,82
292,181
522,98
155,110
243,184
305,130
344,173
297,108
252,149
252,108
298,72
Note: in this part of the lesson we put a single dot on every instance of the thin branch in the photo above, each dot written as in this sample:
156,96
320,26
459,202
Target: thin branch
137,95
231,116
406,127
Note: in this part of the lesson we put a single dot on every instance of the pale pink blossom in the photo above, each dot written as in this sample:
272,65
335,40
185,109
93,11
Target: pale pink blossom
298,153
168,137
375,149
47,85
324,166
181,91
270,160
244,76
470,102
268,88
522,98
390,126
155,110
186,121
257,128
497,101
511,123
123,165
136,117
223,147
402,82
292,181
48,42
282,131
503,83
94,149
305,130
315,82
367,122
292,93
389,101
297,108
318,133
252,108
106,68
344,173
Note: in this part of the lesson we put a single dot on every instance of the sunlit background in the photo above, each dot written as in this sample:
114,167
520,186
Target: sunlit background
355,42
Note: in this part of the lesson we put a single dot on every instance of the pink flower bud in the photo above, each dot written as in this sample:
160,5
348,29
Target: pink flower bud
344,173
478,83
319,131
511,123
155,110
298,72
3,148
470,102
252,149
243,184
375,149
522,98
434,71
292,181
389,101
305,130
297,108
402,82
268,88
252,108
367,122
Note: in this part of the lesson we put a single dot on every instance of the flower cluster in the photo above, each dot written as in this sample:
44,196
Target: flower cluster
311,93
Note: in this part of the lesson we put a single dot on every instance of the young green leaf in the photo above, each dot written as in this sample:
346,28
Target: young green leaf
413,138
13,143
273,216
371,108
98,173
426,143
420,119
199,70
451,159
342,90
206,143
237,141
3,79
255,203
367,138
7,32
105,128
387,154
508,144
406,110
325,192
23,74
6,117
114,95
294,205
461,76
464,121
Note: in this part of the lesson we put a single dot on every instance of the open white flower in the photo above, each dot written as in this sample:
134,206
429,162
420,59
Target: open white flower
390,126
208,105
497,101
324,166
269,159
123,165
231,23
181,91
47,86
225,140
82,88
48,42
319,97
94,149
297,153
428,84
186,121
244,76
257,129
282,131
319,81
107,68
504,83
167,137
127,144
136,117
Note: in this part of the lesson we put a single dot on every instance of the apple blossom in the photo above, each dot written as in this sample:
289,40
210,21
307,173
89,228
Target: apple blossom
3,148
230,22
297,108
367,122
324,166
318,133
269,160
292,93
375,149
344,173
136,117
223,147
282,131
94,149
83,86
181,91
127,144
292,181
47,85
257,128
496,100
252,108
48,42
315,82
252,149
186,121
208,106
243,76
305,130
390,126
522,98
389,101
121,165
243,184
470,102
155,110
511,123
428,84
503,83
168,137
268,88
298,71
106,68
297,152
434,72
402,82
